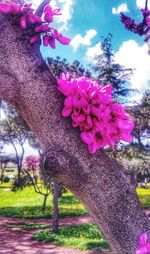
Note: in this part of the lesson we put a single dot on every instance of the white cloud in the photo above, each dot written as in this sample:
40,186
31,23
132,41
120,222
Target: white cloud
67,11
79,40
66,7
120,8
132,55
141,4
93,51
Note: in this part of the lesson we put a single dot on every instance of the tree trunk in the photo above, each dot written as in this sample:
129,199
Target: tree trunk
55,219
44,202
147,39
98,181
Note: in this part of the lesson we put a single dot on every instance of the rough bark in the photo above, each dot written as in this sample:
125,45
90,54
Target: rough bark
97,180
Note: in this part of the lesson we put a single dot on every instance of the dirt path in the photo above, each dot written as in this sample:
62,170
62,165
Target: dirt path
16,241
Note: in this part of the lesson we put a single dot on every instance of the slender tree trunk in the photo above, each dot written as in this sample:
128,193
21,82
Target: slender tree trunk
55,219
98,181
3,167
44,202
147,39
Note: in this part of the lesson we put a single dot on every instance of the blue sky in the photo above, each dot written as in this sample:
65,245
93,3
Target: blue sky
85,21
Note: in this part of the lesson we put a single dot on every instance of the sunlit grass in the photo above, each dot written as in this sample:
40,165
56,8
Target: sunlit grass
144,196
27,204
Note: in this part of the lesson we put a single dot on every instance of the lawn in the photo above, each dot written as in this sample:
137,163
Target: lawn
144,196
83,237
27,204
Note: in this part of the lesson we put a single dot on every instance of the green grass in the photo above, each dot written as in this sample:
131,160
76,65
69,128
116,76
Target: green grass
83,237
144,196
27,226
27,204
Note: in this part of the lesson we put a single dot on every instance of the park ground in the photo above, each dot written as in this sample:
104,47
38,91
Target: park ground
24,228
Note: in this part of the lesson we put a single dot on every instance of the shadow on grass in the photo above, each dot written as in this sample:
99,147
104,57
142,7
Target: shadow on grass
83,237
69,199
28,212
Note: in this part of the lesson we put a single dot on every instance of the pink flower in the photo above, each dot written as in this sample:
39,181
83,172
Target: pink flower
63,40
49,13
27,16
23,22
101,121
52,42
144,246
5,8
32,163
34,39
46,40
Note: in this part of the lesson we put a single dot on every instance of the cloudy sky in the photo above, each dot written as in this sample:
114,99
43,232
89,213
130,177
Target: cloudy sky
85,21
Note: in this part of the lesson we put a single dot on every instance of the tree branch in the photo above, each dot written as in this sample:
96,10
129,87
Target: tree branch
40,8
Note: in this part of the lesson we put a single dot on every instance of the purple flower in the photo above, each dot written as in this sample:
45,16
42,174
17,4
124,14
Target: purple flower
144,246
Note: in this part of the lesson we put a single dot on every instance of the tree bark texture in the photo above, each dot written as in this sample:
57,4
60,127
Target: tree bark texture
97,181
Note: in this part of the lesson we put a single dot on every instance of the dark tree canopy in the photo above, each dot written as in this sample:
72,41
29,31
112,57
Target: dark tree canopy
109,72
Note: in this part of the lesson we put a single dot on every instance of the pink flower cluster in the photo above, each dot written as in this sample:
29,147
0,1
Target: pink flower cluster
144,246
31,163
140,28
42,27
101,121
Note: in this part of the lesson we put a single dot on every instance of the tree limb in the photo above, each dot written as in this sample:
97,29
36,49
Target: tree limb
40,8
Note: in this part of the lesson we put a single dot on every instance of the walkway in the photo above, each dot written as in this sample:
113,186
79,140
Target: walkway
17,241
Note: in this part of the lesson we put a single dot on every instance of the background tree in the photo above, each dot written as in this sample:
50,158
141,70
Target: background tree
107,71
30,176
14,131
136,154
75,69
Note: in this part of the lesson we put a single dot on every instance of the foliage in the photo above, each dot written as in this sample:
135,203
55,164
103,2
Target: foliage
102,122
6,179
83,237
75,69
137,153
109,72
14,131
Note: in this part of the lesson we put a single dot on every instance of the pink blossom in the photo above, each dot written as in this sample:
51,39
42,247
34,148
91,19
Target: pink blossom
52,42
32,163
23,22
5,8
46,40
49,13
144,246
28,16
63,40
91,108
34,39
